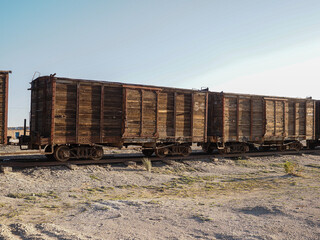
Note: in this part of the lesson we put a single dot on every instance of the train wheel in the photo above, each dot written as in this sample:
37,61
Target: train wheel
225,150
185,151
62,153
96,153
162,152
281,148
147,152
296,146
207,149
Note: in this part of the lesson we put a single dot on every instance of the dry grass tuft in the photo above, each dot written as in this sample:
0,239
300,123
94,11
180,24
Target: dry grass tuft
147,164
292,169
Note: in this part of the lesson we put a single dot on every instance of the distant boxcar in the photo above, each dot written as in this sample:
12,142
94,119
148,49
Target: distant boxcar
73,118
237,122
4,84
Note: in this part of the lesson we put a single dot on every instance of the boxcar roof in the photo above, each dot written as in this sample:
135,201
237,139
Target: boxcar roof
264,96
60,79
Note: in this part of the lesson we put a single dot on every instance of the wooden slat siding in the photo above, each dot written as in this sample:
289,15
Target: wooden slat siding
199,112
216,121
133,125
113,123
141,113
53,107
149,113
101,112
89,113
191,115
77,112
66,112
166,115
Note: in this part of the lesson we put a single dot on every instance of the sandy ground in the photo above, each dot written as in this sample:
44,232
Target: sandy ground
203,199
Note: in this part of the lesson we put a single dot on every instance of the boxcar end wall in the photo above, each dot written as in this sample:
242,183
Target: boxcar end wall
4,85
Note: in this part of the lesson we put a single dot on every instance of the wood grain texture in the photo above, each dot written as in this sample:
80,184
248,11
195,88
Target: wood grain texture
250,118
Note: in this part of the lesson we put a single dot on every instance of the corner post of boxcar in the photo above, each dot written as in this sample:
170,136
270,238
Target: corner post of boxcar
101,112
191,116
77,112
238,118
6,92
314,120
223,117
141,112
275,118
53,107
156,134
305,119
284,119
175,115
264,118
295,119
251,118
124,110
44,105
206,117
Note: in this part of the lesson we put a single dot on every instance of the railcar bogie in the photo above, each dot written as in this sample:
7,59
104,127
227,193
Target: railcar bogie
163,150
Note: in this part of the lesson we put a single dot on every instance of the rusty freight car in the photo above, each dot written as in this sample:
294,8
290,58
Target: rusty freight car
238,122
4,84
73,118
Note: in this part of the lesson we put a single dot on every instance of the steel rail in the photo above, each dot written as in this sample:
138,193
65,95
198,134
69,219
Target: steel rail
24,163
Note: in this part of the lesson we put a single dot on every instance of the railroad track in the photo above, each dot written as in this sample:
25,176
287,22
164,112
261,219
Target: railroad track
43,162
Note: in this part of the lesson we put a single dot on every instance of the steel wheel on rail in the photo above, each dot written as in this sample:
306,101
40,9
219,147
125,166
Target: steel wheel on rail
207,149
147,152
297,146
185,151
62,153
97,153
161,153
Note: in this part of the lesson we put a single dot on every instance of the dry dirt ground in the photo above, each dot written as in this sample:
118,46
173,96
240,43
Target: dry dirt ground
202,199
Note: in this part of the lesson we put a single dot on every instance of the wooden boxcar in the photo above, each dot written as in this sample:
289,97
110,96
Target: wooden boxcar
237,122
4,84
73,118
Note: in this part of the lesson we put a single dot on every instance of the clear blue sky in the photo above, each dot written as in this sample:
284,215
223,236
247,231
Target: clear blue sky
248,46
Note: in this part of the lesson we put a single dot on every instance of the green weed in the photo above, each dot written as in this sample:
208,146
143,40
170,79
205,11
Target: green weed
291,169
